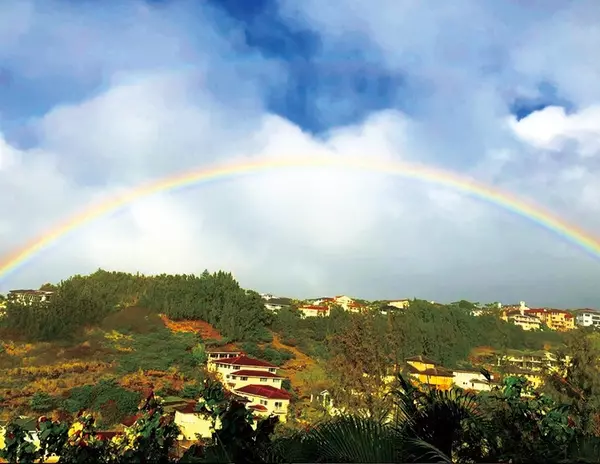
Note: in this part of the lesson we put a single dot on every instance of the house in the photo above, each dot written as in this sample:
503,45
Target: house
245,377
224,367
428,372
255,380
588,318
400,304
266,400
222,353
471,380
29,296
525,321
555,319
535,361
192,425
314,310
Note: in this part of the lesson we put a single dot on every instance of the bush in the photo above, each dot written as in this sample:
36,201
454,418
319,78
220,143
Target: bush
42,402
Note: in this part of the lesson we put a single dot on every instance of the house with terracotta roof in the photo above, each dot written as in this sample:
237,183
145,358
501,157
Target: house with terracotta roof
314,310
428,372
266,400
257,381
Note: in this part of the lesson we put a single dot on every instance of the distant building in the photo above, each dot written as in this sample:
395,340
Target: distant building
314,310
588,318
29,296
471,380
428,372
400,304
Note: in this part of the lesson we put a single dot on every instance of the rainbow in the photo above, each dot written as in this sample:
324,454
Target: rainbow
203,175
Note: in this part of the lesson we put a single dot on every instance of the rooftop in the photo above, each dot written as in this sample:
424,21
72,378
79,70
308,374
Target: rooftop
251,373
264,391
244,360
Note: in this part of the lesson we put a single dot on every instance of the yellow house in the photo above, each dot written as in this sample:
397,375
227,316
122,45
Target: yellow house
555,319
428,372
191,424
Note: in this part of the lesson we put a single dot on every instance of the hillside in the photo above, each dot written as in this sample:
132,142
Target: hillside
105,338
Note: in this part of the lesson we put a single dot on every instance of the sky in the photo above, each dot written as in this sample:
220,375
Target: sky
97,98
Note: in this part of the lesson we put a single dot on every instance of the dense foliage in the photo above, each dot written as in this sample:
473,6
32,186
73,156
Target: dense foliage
86,300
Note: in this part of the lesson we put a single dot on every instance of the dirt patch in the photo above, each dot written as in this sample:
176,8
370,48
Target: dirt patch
202,328
295,365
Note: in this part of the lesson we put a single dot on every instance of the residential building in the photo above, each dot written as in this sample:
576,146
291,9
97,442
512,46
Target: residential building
266,400
400,304
532,361
555,319
471,380
428,372
255,380
29,296
525,321
314,310
222,353
588,318
193,426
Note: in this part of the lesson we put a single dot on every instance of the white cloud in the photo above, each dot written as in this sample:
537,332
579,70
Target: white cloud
300,231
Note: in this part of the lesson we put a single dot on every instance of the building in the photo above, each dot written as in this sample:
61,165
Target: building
588,318
471,380
427,372
533,361
29,296
555,319
525,321
400,304
193,426
314,310
255,380
222,353
266,400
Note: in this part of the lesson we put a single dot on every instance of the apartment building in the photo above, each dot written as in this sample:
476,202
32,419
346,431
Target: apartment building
588,318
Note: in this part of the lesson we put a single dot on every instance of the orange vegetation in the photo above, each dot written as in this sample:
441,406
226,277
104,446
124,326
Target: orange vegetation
156,380
204,329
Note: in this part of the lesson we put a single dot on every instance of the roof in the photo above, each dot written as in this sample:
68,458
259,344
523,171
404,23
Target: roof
318,308
264,391
437,372
244,360
421,359
258,407
251,373
188,408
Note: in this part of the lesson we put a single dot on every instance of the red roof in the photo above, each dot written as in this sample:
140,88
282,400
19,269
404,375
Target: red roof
251,373
265,391
258,407
318,308
129,421
188,408
244,360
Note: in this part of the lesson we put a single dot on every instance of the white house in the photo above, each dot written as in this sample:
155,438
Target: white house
29,296
314,310
588,318
266,400
470,380
216,354
227,366
244,377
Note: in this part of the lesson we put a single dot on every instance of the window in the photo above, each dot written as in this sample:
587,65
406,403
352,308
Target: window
272,370
278,404
235,368
263,379
228,376
275,380
263,402
243,378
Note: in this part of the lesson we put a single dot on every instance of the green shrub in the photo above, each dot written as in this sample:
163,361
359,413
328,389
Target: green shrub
42,402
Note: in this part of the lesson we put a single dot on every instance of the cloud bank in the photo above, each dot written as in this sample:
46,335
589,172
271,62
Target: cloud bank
96,104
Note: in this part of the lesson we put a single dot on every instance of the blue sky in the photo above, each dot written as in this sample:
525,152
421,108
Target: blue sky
97,100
